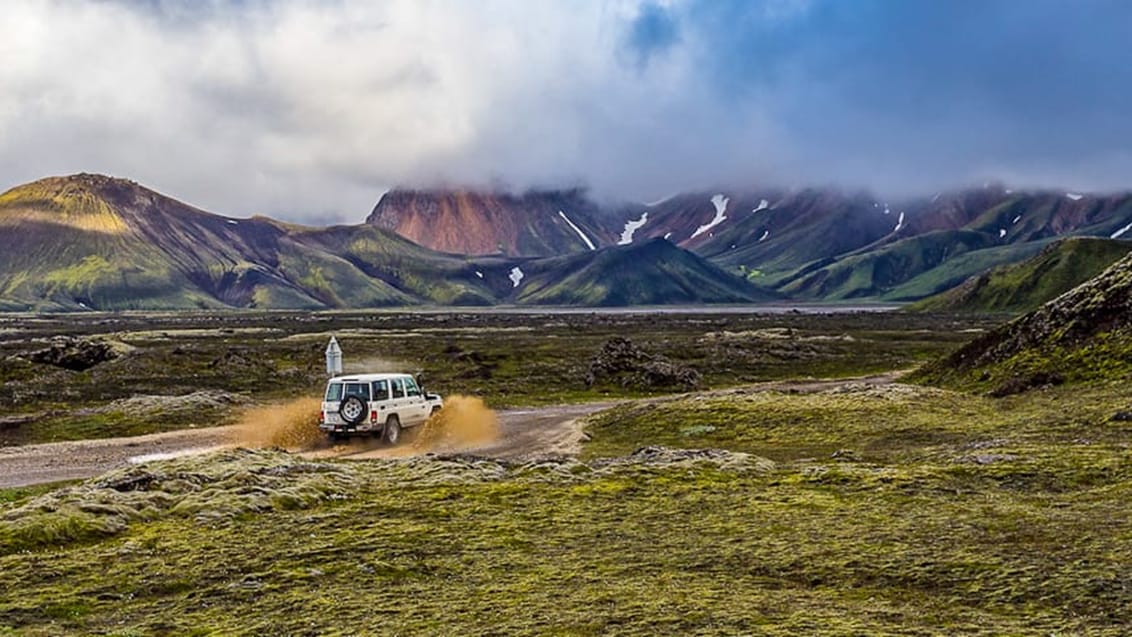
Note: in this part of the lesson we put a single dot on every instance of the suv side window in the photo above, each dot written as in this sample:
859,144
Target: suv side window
381,390
411,388
398,388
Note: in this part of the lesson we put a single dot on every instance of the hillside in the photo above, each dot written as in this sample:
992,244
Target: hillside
653,272
1083,334
1022,287
90,241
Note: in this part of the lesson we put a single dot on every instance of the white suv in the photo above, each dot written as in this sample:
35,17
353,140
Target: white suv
375,404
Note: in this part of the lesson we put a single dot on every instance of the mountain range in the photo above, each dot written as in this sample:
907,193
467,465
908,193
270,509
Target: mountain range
96,242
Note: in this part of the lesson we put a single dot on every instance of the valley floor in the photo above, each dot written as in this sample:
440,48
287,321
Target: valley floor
859,505
848,508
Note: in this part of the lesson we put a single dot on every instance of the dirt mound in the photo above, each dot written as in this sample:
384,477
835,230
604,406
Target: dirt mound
623,362
464,422
216,486
290,425
77,354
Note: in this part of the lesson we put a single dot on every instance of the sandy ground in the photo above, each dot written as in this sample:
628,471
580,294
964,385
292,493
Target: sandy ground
522,433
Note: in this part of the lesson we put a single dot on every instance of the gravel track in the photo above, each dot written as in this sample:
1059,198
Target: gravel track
524,433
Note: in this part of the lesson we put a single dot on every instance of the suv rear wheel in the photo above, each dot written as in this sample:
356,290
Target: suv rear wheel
392,432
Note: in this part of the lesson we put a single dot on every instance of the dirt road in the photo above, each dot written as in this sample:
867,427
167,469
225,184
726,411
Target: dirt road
523,433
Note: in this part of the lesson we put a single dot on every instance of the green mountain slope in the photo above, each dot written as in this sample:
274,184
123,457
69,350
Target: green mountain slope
1084,334
94,242
1058,268
648,273
872,273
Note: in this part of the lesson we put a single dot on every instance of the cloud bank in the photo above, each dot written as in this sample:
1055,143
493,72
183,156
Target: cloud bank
309,109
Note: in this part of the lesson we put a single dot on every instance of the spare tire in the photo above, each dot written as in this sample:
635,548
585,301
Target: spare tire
352,409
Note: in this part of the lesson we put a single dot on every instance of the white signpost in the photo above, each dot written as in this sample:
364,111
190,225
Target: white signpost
333,358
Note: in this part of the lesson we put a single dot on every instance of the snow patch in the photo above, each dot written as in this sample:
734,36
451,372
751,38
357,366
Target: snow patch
1017,219
935,197
479,274
766,233
763,205
899,222
1120,233
1009,191
1074,196
1001,232
666,235
516,276
232,221
632,226
84,305
720,202
886,210
577,229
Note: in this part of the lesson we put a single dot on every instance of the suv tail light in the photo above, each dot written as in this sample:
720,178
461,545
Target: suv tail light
373,416
321,417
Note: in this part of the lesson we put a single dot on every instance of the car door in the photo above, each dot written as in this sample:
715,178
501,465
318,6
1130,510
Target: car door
398,404
415,401
380,404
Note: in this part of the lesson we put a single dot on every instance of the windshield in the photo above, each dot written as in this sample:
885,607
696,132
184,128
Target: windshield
333,392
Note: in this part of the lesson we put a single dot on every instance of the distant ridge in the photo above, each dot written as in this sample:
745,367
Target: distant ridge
91,242
652,272
815,244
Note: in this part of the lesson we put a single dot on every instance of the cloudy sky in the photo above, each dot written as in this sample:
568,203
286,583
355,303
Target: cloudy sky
309,109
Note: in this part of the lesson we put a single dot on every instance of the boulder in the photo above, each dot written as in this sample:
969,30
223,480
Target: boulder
76,354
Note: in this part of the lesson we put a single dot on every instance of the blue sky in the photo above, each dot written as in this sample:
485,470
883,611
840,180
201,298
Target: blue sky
309,109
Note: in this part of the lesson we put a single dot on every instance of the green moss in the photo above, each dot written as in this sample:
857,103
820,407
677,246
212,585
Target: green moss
920,544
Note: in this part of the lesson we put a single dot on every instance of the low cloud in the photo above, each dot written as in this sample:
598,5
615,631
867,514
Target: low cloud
310,109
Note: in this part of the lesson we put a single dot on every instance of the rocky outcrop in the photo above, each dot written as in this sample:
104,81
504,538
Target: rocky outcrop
1084,334
76,354
622,362
1100,305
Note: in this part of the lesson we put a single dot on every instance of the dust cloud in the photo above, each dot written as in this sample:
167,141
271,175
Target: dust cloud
465,422
292,425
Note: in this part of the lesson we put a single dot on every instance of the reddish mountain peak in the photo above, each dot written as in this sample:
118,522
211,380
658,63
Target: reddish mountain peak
535,223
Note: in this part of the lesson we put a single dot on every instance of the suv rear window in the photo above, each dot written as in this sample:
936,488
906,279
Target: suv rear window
361,390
